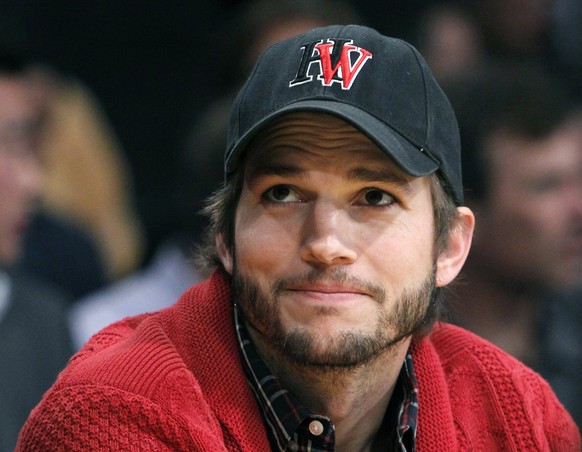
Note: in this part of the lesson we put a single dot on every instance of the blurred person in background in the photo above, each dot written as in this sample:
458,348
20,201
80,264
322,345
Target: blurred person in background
58,246
34,339
456,37
62,253
514,29
521,135
450,40
87,179
566,41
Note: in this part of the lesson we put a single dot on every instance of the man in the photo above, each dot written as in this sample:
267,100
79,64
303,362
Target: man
339,224
522,167
34,342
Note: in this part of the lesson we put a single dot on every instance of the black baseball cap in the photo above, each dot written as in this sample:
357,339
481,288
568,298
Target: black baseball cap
380,85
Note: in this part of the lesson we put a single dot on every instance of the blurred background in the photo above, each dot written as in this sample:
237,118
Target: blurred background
131,102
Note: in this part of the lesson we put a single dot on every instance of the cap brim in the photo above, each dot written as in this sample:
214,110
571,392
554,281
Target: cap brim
406,155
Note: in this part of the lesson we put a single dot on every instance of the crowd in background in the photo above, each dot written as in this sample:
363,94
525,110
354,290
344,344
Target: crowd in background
130,100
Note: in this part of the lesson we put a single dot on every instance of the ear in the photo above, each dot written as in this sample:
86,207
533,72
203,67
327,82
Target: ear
451,260
223,253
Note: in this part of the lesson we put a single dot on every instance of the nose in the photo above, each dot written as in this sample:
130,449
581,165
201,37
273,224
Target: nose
328,236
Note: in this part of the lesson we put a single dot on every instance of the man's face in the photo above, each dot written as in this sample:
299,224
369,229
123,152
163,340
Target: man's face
334,244
20,175
531,223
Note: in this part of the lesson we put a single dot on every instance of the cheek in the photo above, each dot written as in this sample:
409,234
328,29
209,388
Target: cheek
263,245
401,254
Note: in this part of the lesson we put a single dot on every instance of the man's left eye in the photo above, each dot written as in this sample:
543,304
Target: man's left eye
375,197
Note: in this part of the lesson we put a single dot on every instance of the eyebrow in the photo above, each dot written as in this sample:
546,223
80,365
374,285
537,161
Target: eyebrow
372,175
359,174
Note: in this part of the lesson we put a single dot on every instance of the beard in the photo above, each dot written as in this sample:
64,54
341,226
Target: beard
411,312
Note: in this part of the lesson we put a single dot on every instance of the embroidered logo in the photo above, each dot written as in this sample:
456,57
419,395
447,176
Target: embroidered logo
338,61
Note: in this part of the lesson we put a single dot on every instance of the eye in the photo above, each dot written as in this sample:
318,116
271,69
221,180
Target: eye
281,194
376,197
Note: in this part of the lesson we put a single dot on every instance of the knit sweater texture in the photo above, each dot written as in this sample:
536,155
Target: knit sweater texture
173,381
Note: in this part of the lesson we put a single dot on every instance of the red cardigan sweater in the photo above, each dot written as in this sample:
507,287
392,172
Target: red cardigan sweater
173,381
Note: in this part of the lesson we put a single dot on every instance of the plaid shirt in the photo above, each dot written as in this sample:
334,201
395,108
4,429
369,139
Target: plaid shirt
291,427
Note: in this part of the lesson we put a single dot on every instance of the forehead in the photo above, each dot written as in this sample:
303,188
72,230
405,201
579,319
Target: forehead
317,138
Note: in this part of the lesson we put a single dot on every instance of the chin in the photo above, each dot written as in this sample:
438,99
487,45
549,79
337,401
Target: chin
342,349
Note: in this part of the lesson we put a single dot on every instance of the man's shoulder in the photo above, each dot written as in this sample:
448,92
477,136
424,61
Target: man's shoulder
463,352
454,343
126,355
477,372
137,352
136,374
489,390
165,369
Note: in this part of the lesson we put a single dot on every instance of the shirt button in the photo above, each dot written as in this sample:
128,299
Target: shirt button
316,428
292,446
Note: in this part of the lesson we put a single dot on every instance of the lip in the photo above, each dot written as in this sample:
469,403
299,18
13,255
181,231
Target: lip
327,288
328,292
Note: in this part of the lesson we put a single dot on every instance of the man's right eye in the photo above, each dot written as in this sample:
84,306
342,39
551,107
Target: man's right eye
281,194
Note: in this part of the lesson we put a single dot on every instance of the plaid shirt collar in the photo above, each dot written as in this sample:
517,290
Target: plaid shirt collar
291,427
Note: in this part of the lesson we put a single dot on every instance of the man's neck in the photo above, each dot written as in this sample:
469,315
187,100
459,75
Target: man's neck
355,399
